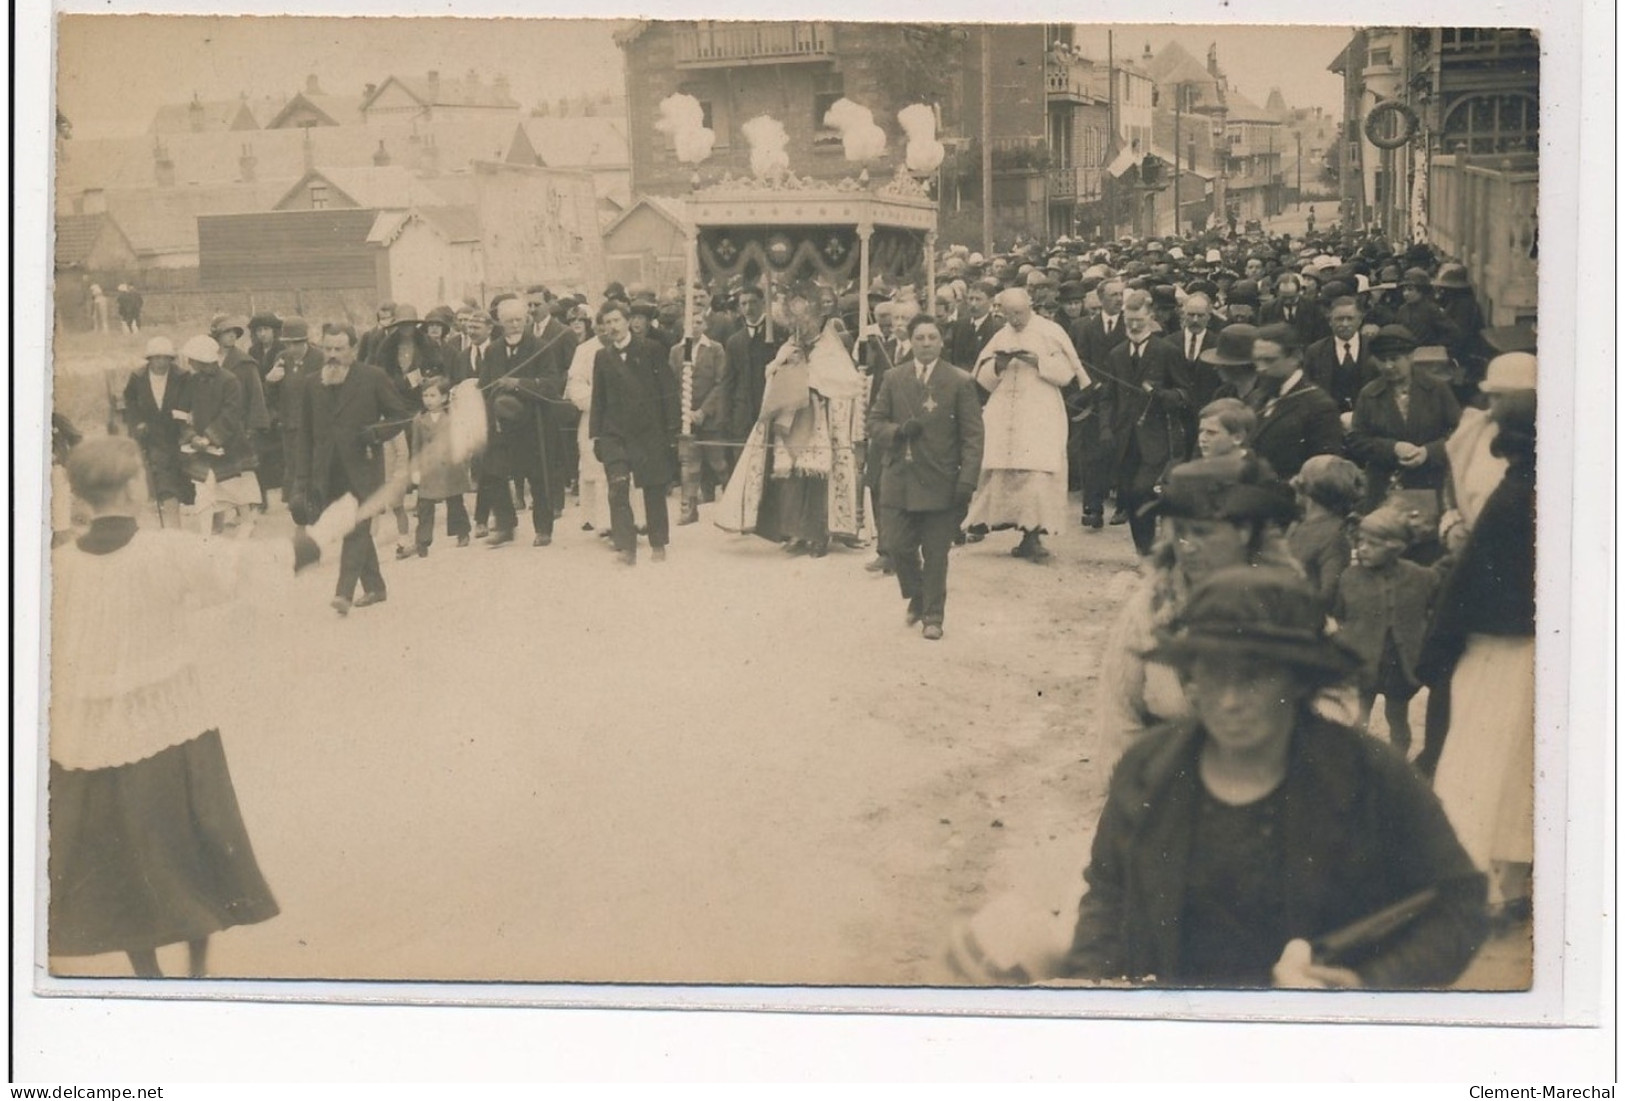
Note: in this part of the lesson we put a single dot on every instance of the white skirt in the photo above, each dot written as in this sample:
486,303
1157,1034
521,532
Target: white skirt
1029,499
1486,777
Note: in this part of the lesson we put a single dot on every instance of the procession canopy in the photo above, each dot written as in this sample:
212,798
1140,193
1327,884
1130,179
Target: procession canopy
793,228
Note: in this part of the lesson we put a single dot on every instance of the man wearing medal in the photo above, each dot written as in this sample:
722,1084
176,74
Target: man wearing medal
926,429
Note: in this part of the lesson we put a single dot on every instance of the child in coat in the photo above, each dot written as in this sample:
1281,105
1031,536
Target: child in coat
437,473
1329,488
1382,606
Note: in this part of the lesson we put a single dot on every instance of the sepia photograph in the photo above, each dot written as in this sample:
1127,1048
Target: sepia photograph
507,478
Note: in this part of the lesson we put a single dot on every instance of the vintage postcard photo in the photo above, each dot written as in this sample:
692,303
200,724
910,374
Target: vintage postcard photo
796,504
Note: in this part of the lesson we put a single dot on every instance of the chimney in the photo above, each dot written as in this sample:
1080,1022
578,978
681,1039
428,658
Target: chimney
366,93
194,111
163,167
1213,59
308,148
247,163
312,85
381,156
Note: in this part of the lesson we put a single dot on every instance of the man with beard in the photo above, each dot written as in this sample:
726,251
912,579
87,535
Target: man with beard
518,377
347,412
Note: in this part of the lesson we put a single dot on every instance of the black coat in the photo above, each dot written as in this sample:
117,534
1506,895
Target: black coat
1359,832
1308,318
1297,425
1491,590
924,474
748,358
966,341
158,430
1378,426
636,413
1325,370
1149,427
214,400
343,427
528,442
296,372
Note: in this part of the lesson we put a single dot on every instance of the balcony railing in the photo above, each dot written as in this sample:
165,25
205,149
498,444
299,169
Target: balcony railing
719,44
1062,78
1074,185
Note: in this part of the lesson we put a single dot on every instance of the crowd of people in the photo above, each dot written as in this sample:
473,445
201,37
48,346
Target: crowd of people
1321,455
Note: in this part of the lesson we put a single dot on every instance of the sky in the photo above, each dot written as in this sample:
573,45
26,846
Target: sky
1253,58
115,71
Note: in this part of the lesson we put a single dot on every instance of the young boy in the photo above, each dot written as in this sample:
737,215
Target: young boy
1224,426
438,476
1382,606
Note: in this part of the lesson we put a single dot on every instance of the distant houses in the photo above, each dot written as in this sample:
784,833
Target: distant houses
446,168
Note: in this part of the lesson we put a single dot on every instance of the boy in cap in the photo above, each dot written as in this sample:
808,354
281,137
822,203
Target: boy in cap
1382,607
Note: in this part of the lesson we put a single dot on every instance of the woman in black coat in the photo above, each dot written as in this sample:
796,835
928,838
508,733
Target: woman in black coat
1232,845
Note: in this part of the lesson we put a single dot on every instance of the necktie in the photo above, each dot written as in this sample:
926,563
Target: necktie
921,373
1190,351
1290,311
1348,353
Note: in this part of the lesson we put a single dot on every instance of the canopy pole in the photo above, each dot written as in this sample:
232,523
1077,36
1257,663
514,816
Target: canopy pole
930,271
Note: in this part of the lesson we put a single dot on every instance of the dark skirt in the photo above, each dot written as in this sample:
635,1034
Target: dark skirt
150,853
796,507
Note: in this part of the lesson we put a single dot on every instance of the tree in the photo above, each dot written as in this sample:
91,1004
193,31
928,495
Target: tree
924,65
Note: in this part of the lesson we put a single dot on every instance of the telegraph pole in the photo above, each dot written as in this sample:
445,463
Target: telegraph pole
987,142
1179,90
1110,183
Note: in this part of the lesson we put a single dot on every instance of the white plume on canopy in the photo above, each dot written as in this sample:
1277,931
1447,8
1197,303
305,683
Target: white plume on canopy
683,118
861,138
924,152
769,157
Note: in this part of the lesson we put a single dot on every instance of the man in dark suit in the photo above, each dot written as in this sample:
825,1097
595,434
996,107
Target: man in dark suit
1289,306
977,328
294,367
1299,420
1341,363
558,418
1149,415
1401,421
348,411
749,353
635,416
926,430
1195,335
1089,438
519,380
709,386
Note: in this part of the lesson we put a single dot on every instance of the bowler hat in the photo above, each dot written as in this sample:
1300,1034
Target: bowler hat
405,314
1452,277
1510,372
1072,291
1392,340
1242,292
508,408
1237,486
1267,612
295,329
1510,338
1234,347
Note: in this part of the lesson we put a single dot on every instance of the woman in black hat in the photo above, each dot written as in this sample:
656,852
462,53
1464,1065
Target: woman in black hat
1220,512
1248,844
